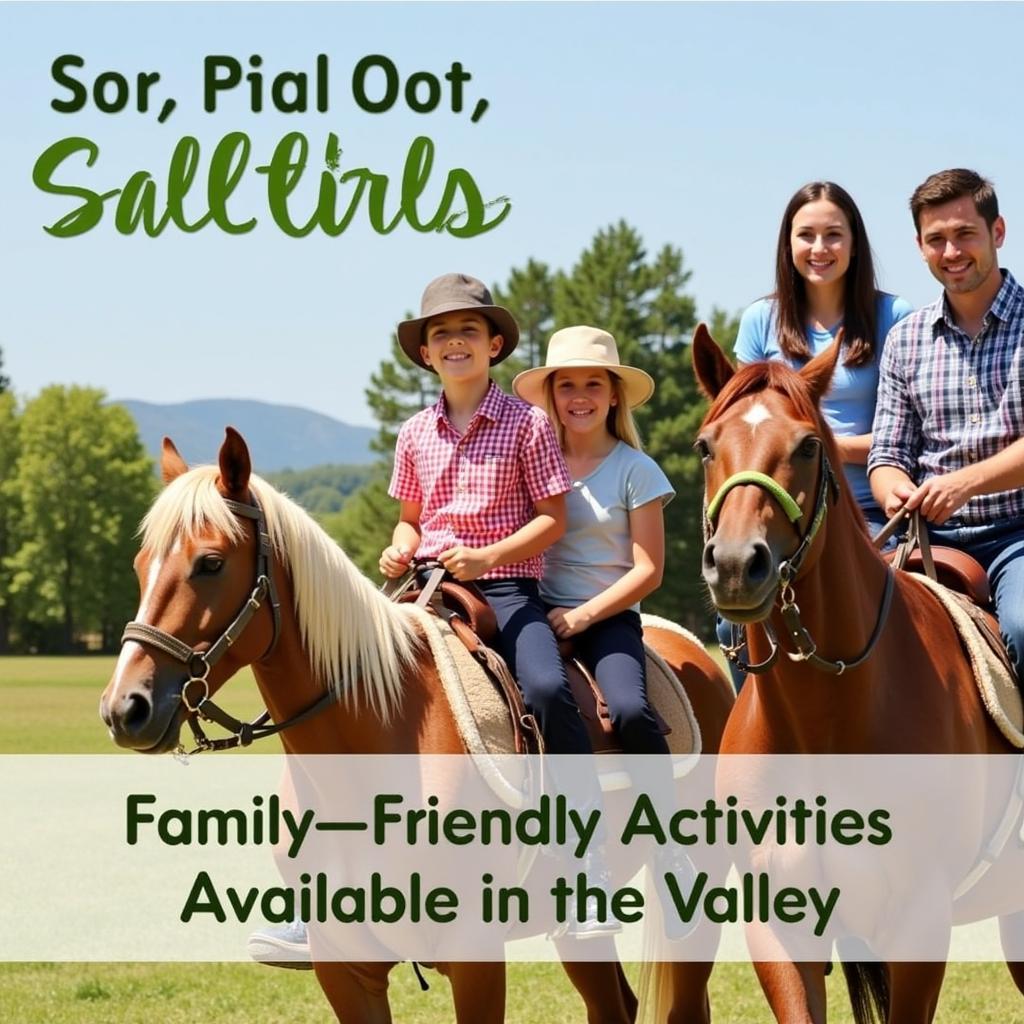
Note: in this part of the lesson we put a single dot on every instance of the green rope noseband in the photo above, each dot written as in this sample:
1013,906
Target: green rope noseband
763,480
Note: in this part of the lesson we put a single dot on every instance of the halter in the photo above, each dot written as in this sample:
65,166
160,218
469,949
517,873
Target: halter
806,649
200,661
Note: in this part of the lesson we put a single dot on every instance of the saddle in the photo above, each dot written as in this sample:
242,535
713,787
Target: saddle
956,571
466,611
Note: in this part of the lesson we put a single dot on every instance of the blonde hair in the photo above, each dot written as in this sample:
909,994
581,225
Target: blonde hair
357,642
620,422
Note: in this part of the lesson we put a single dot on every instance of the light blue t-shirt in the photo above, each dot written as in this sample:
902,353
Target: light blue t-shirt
849,406
597,548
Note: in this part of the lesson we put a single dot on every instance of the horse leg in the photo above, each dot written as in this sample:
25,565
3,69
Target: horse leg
604,989
914,991
690,1003
795,992
478,991
358,993
1011,934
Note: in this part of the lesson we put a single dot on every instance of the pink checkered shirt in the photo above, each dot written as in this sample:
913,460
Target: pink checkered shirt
479,487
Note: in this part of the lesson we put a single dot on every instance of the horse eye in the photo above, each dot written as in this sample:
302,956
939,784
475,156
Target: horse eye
808,447
210,565
703,449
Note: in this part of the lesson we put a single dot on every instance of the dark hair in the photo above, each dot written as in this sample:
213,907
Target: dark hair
860,294
957,182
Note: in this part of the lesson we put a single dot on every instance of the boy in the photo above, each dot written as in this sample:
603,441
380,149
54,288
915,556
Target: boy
482,485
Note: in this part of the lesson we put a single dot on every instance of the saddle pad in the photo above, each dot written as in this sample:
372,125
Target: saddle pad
998,689
483,720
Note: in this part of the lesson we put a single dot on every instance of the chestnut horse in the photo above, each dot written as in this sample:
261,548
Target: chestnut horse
311,618
878,666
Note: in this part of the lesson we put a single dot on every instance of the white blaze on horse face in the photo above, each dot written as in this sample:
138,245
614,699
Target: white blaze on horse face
756,415
132,648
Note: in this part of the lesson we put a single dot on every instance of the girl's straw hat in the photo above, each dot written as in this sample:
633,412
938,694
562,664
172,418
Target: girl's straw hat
583,346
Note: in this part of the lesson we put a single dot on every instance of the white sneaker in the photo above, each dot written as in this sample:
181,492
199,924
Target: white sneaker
595,867
285,945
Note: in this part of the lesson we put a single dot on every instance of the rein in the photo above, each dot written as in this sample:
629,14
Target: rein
806,648
199,661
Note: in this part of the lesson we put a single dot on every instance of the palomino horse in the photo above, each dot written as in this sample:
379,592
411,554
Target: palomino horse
879,668
315,630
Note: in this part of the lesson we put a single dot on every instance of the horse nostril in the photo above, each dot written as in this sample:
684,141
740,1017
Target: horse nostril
760,565
708,560
137,712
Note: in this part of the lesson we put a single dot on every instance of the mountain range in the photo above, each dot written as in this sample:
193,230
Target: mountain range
279,436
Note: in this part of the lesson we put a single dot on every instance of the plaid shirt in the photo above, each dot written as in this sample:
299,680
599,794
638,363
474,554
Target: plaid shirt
946,400
479,487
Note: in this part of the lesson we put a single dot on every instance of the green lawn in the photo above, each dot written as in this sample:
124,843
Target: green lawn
50,706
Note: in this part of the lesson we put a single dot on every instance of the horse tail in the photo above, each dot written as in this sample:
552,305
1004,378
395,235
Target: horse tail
868,985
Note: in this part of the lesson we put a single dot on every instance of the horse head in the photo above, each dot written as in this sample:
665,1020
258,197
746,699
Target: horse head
196,575
768,476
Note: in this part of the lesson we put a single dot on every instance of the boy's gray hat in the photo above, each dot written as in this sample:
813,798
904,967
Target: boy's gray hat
450,294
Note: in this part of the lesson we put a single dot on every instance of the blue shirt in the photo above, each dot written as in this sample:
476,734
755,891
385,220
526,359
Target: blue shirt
597,547
849,406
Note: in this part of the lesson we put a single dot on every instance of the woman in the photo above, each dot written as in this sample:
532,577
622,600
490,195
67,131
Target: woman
824,281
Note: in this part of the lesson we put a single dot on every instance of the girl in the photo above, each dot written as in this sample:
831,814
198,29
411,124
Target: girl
613,551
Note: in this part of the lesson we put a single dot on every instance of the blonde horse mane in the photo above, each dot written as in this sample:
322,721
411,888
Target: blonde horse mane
357,641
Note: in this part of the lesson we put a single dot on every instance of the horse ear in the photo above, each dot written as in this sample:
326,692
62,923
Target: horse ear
710,364
172,465
235,465
818,372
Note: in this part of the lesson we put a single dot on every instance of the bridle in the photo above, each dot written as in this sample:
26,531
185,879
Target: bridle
789,570
200,661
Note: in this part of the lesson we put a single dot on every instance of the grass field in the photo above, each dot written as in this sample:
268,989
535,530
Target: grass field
50,706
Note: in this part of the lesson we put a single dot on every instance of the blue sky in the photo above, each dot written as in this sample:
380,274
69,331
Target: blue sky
695,123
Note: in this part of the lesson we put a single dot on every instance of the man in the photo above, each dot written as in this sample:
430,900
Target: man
949,423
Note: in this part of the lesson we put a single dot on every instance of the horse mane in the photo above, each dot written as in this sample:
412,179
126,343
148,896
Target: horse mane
775,375
357,641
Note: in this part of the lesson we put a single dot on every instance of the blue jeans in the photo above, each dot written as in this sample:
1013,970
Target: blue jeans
999,547
613,649
530,650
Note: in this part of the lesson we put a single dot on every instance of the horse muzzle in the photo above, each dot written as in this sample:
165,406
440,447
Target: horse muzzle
743,577
143,716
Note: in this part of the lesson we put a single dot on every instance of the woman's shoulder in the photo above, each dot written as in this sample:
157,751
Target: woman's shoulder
755,339
760,311
891,310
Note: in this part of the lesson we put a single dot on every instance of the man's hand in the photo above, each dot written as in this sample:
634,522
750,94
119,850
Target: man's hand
941,496
567,622
394,561
897,498
467,563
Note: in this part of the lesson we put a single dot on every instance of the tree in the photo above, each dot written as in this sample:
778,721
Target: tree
529,296
5,382
85,481
398,390
10,515
363,527
643,303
